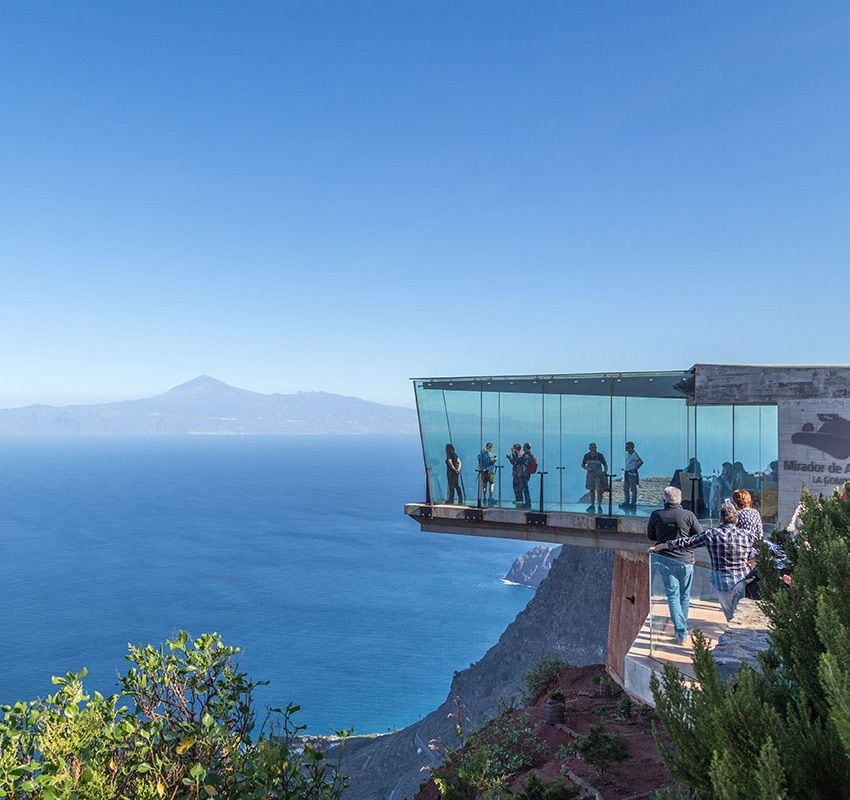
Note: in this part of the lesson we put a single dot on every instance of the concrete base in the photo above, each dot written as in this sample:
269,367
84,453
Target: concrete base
561,527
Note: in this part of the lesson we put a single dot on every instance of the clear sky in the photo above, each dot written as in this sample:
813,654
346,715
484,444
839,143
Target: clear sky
342,195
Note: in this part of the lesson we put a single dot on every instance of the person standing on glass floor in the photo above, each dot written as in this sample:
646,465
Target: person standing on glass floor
631,479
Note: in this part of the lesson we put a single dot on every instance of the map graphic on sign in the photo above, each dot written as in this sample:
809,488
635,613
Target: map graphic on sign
833,436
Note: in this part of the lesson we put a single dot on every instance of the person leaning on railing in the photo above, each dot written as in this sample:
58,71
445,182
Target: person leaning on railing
729,550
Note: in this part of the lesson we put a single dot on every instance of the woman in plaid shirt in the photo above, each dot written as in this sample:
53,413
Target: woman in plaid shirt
729,550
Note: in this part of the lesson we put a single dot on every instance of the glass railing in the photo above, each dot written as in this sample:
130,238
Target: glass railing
681,599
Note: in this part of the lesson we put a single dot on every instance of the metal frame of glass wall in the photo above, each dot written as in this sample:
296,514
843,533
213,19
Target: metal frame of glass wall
707,450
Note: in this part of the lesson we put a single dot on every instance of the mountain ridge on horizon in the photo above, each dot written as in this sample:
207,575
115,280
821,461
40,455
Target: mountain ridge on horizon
208,406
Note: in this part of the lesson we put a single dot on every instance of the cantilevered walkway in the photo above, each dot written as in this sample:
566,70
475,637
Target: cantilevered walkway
626,533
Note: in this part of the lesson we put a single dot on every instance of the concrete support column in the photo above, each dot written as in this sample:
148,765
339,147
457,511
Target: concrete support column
629,606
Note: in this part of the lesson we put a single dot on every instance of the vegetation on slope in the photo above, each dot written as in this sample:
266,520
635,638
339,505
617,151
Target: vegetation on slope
604,745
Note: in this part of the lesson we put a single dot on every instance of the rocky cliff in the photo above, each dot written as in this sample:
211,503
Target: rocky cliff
531,568
568,616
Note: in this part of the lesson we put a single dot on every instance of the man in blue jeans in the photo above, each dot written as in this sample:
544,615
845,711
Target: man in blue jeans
676,567
729,548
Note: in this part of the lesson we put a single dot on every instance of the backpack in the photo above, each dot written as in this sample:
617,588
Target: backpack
532,464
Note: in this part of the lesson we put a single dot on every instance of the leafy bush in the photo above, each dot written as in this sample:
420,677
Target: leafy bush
493,755
566,752
600,748
725,741
180,730
625,708
670,794
541,675
557,790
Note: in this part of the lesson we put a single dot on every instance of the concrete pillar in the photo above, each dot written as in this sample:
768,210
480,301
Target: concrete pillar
629,606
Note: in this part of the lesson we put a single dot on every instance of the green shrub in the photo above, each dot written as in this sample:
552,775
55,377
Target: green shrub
181,729
600,748
566,752
625,708
724,740
541,675
492,756
557,790
670,794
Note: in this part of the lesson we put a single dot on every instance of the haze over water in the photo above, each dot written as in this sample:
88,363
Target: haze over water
296,549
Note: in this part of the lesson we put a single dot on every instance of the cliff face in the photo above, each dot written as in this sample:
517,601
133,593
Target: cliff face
568,616
531,568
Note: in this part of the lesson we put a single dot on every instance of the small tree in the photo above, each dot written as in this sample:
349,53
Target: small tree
600,748
542,674
559,789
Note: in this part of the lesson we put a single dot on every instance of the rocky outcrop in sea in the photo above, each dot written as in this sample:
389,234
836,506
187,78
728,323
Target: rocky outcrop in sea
531,568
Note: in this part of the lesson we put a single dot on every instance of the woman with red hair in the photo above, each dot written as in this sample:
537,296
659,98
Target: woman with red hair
748,518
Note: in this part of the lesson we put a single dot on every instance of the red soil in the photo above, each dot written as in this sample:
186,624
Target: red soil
636,777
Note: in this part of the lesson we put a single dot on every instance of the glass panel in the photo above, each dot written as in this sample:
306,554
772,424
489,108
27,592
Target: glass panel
768,499
681,592
658,428
552,452
756,446
585,419
746,455
491,431
692,432
522,422
464,428
714,457
434,424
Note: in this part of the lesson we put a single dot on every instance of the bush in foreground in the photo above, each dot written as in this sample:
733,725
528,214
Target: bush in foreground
782,732
181,729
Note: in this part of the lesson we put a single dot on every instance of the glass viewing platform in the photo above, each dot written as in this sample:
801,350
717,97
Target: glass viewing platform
707,450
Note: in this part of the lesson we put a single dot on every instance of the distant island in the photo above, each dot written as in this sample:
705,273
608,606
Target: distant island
206,406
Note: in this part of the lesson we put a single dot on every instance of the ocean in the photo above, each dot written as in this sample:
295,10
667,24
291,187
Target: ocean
296,549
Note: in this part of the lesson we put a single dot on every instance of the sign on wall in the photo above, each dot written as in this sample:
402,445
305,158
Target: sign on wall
814,449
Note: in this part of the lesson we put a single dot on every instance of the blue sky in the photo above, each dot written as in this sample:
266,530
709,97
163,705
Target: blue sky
341,195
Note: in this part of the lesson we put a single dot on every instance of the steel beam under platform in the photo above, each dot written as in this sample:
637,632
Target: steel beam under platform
558,527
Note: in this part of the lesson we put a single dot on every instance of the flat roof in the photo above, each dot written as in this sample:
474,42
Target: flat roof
702,384
673,384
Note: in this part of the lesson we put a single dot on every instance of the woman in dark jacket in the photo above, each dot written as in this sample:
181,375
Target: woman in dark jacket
453,467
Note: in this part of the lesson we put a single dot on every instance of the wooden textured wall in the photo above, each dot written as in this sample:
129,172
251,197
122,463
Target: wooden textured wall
629,605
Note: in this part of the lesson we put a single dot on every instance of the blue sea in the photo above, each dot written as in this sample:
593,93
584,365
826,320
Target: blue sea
294,548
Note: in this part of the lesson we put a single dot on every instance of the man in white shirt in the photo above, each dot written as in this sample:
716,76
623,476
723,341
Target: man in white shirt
630,476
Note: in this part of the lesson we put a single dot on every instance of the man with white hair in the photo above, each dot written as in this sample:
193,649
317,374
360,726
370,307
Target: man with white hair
729,550
674,566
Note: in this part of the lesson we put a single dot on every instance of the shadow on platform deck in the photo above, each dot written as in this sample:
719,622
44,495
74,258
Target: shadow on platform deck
655,645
